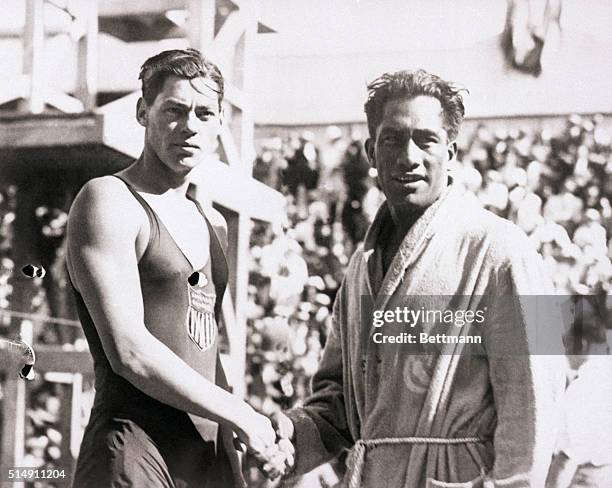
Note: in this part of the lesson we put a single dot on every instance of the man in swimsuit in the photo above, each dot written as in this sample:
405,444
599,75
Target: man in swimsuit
148,268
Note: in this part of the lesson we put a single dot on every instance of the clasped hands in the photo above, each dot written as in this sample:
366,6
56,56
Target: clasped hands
271,446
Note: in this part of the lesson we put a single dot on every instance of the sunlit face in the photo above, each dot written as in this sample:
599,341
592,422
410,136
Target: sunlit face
411,152
183,122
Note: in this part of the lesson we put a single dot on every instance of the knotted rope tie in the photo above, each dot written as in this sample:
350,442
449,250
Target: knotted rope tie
357,457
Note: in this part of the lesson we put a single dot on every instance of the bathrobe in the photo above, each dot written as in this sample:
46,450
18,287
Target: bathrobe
505,399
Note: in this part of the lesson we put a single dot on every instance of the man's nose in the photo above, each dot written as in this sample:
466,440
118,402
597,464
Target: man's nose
191,123
412,154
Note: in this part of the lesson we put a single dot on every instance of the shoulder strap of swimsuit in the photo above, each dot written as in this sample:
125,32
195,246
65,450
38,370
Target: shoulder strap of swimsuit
153,223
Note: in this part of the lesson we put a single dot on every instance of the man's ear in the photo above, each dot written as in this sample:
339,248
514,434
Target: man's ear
142,112
369,147
452,150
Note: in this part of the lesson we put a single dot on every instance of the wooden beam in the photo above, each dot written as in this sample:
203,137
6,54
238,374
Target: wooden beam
14,88
208,178
121,129
87,58
50,130
33,47
112,8
247,148
235,96
201,24
238,225
241,238
64,102
13,425
229,146
240,3
71,393
16,31
229,316
57,359
234,364
229,34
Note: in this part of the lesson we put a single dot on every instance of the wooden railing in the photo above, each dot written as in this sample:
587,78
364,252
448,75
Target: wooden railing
55,364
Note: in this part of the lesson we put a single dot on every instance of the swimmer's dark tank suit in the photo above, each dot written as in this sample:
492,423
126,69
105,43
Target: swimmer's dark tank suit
133,440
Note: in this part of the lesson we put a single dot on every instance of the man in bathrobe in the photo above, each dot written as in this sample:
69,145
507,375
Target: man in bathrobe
428,419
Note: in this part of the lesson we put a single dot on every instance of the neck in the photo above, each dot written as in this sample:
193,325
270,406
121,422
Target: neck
404,219
150,175
404,216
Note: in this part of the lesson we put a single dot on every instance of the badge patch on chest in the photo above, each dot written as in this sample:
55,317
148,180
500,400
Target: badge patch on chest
200,321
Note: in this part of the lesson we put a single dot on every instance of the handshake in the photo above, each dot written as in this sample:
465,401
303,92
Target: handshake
269,441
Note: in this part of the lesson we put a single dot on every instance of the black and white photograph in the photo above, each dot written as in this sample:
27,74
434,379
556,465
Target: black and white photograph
305,244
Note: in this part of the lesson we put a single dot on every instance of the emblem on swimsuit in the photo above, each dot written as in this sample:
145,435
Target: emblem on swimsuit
200,320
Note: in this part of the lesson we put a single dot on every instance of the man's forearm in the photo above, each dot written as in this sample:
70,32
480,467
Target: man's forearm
157,371
311,450
321,425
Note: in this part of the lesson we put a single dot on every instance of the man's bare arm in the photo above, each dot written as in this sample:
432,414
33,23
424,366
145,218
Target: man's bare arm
103,233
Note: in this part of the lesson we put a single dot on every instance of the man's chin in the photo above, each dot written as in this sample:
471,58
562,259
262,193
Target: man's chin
422,201
191,162
414,202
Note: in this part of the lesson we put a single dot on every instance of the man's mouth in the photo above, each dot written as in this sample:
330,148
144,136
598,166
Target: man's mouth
409,178
187,145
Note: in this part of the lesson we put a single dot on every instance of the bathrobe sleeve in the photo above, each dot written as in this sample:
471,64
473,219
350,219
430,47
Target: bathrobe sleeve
321,425
527,385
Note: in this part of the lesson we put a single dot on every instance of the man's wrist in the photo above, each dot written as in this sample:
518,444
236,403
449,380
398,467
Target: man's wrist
239,414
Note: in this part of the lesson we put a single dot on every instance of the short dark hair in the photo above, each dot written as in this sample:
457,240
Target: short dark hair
411,84
184,63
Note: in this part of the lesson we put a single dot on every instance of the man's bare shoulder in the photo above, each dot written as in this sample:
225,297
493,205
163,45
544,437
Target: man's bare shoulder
102,196
105,206
102,192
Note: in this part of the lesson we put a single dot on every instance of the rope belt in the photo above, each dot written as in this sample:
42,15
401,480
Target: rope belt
357,458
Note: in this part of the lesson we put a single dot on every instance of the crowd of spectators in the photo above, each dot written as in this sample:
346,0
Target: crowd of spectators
558,189
7,217
296,272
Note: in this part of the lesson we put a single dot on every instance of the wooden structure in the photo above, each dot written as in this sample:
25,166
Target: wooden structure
72,134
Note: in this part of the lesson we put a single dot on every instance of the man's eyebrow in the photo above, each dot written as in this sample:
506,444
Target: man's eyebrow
391,129
425,132
178,103
171,101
